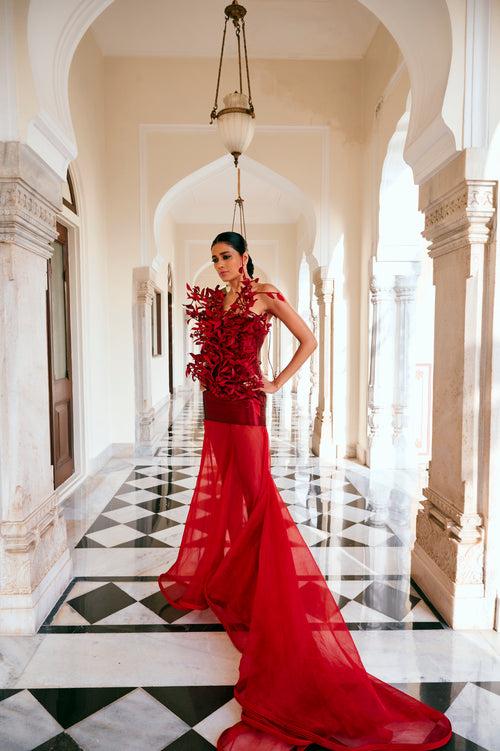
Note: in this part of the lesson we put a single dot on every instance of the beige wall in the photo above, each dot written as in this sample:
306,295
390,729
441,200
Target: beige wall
98,294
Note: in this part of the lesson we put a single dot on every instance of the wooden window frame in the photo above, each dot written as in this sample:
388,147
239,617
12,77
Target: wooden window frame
156,324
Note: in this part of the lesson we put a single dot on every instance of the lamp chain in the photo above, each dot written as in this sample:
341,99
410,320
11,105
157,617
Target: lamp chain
250,103
213,114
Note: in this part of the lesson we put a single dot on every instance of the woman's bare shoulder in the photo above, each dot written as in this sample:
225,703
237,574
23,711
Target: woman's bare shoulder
265,287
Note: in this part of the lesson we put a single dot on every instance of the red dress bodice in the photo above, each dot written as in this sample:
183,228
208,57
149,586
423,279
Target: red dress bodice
228,363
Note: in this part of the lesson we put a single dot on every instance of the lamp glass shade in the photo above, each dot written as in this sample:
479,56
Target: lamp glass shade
236,128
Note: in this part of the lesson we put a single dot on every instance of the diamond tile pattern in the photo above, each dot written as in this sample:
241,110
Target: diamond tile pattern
189,718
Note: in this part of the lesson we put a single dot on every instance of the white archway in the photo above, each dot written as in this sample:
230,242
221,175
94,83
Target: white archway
396,284
253,167
422,30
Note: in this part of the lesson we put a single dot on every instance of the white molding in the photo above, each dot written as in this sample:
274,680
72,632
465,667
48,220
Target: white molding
9,125
51,144
50,133
477,74
431,150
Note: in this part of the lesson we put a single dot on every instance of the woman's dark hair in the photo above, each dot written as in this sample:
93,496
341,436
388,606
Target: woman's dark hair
238,243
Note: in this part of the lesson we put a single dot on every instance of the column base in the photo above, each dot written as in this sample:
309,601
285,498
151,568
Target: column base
323,444
23,614
463,606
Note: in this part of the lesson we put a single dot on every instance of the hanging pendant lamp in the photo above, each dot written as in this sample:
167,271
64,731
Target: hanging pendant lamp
236,121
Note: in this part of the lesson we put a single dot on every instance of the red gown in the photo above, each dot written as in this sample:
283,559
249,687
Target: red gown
301,679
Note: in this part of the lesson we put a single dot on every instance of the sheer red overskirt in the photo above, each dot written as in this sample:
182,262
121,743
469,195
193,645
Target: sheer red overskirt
301,679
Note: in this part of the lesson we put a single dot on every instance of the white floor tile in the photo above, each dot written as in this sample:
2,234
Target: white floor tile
213,725
130,659
24,723
474,715
136,715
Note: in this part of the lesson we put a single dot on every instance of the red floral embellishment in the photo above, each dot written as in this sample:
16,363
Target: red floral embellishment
230,340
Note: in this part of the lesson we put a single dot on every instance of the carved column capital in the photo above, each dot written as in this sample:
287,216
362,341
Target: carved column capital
464,213
145,292
381,289
324,286
30,198
405,287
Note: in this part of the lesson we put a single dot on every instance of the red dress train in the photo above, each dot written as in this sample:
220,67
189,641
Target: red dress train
301,679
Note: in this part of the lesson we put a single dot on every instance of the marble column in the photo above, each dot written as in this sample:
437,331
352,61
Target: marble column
144,285
380,383
323,444
314,360
391,427
448,557
403,420
35,564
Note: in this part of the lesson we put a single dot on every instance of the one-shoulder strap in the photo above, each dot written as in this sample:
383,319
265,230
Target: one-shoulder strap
271,293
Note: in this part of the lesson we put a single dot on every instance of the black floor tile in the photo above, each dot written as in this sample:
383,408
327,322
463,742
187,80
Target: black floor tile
191,741
102,522
143,542
152,523
101,602
159,605
192,703
160,504
439,695
71,705
61,742
115,504
396,603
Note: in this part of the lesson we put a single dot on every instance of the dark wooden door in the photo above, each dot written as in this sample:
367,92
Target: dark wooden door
170,352
59,345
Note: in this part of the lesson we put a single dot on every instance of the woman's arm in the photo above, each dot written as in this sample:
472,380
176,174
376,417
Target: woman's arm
298,327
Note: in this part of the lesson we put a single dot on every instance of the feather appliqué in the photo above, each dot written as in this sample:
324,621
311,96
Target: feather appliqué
230,340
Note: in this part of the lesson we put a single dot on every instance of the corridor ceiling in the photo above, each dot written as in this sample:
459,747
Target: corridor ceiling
276,29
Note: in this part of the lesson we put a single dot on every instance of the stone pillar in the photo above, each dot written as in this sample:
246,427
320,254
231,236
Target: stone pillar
447,560
380,384
144,285
35,564
323,444
391,427
314,360
403,422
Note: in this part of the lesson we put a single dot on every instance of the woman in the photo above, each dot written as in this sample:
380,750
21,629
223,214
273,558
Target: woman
301,679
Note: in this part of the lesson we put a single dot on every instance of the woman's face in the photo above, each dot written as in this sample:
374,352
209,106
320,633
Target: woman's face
227,261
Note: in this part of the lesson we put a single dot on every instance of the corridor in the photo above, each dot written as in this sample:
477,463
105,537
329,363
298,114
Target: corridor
115,668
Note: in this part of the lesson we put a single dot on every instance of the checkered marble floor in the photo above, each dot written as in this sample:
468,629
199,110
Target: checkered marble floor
115,667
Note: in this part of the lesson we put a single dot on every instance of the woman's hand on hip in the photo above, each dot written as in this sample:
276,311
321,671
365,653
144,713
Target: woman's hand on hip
269,387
